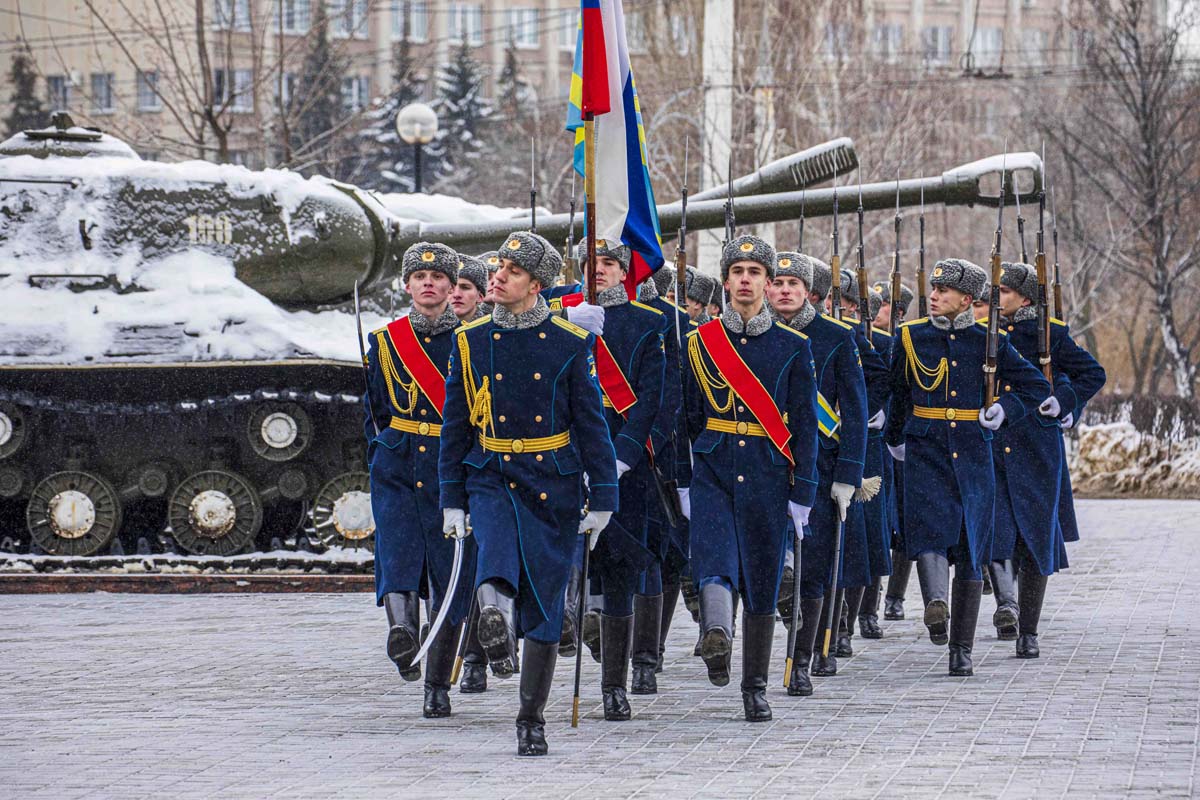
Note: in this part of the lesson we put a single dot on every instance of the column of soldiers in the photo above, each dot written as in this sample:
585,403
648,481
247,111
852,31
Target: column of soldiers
687,436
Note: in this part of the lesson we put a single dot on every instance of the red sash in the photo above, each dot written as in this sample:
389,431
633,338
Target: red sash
569,300
612,380
418,363
747,385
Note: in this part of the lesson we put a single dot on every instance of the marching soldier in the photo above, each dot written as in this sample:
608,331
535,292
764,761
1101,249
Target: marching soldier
941,426
524,424
842,422
1031,470
883,317
751,401
406,397
470,289
700,290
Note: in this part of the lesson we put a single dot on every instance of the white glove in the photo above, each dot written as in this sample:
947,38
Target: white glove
1068,421
622,468
594,522
587,316
685,503
1050,407
842,494
454,523
992,417
799,515
875,423
897,451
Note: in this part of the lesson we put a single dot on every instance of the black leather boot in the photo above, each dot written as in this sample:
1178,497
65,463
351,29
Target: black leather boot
787,588
403,640
849,614
758,633
716,625
497,631
799,684
670,599
647,625
439,663
537,674
616,638
987,583
591,628
568,640
825,665
933,571
691,597
868,612
893,603
963,617
1005,590
474,668
1031,591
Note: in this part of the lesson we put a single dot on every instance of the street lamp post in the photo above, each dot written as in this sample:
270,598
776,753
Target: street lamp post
417,124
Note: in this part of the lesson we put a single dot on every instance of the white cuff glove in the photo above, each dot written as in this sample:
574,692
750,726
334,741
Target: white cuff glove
454,523
875,423
1068,421
622,468
799,515
897,451
595,522
992,417
1050,407
685,503
842,494
587,316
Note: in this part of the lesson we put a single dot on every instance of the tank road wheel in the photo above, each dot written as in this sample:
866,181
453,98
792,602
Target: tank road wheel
73,514
13,430
342,512
215,513
279,431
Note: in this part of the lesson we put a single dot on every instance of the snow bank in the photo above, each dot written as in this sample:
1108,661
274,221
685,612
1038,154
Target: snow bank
1115,459
443,208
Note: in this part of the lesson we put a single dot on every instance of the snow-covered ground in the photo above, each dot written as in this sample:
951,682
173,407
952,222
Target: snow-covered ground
1115,459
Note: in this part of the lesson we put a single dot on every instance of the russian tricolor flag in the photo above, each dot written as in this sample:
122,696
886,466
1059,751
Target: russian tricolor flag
602,84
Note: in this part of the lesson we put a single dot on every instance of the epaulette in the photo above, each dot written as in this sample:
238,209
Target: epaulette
912,322
790,329
569,326
693,323
1057,321
555,303
466,326
643,305
378,330
984,323
845,325
695,329
880,331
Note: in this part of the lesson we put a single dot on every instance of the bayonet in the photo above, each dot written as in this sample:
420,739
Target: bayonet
1043,310
922,298
1020,221
993,323
894,288
864,305
533,185
835,263
1058,303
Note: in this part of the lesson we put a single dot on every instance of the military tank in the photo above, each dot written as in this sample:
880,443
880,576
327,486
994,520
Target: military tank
178,368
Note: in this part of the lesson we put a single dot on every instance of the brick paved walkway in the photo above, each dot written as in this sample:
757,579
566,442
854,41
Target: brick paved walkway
266,696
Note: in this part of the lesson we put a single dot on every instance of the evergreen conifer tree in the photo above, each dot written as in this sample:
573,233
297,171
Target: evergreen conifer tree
27,109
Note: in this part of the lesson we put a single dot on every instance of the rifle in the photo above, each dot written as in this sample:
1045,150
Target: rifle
570,262
730,219
864,303
681,245
1020,222
800,241
1043,310
993,325
922,299
833,597
533,186
1058,303
835,263
894,289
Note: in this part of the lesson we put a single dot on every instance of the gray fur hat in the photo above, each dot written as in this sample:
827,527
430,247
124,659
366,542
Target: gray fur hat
473,270
533,254
791,264
431,256
849,286
606,247
822,278
885,292
874,303
958,273
491,260
1021,278
664,279
701,288
748,248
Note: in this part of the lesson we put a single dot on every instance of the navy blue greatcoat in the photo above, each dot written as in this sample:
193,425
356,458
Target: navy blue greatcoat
879,512
741,484
409,543
949,476
525,506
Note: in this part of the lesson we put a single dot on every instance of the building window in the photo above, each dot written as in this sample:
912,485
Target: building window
349,18
233,88
683,33
147,91
523,27
936,44
466,23
289,90
635,32
1035,43
836,43
356,93
102,92
568,29
58,92
887,41
418,21
231,15
295,15
988,47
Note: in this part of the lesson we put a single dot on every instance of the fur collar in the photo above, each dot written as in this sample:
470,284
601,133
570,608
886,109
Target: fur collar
964,320
424,326
759,324
526,319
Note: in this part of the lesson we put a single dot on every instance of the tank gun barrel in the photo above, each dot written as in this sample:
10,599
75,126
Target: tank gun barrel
801,170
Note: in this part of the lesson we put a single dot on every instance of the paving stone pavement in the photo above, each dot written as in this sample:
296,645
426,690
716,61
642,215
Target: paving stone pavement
292,696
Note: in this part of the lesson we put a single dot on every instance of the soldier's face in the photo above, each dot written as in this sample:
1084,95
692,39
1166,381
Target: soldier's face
428,287
490,296
884,318
947,302
609,272
979,309
849,309
786,294
694,308
747,282
1011,301
465,298
514,284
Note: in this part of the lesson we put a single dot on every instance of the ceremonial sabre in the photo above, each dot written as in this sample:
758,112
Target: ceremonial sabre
792,632
447,601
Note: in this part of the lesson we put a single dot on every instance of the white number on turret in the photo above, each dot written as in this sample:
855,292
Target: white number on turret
209,229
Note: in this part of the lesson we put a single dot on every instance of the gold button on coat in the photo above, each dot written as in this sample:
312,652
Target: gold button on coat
423,429
420,484
543,495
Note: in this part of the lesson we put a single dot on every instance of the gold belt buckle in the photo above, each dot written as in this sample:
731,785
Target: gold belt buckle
742,427
950,413
423,428
518,446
